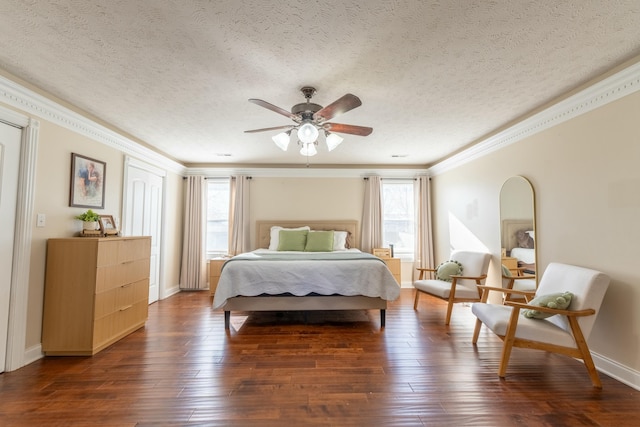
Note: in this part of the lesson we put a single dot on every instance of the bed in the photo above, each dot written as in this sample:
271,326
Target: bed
518,238
271,280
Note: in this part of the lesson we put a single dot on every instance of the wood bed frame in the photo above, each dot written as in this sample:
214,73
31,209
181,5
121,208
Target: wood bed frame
311,302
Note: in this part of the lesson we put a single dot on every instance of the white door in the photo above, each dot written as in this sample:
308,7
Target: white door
143,216
9,161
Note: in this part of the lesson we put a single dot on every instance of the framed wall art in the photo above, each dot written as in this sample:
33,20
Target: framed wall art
87,182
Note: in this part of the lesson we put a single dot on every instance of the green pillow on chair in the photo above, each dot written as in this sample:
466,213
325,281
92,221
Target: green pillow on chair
560,301
447,269
505,271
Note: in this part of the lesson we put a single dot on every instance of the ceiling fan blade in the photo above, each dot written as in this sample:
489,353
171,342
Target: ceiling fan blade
340,106
351,129
273,108
266,129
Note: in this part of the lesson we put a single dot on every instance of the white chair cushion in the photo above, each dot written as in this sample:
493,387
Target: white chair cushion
524,285
442,289
496,317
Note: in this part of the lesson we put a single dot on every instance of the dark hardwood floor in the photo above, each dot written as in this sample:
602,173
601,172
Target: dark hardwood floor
292,369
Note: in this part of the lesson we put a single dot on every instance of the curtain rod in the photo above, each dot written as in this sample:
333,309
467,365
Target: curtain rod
220,177
366,178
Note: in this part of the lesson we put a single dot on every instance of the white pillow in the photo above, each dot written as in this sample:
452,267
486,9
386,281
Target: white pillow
340,240
275,235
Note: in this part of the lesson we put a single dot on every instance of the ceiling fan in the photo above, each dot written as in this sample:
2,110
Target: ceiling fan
312,118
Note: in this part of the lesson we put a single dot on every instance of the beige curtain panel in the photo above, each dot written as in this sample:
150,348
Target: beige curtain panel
371,235
193,271
239,226
424,241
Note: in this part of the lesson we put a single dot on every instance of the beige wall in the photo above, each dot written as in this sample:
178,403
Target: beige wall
172,235
587,184
305,198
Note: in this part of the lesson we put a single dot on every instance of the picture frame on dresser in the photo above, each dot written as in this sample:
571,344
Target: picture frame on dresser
108,225
87,183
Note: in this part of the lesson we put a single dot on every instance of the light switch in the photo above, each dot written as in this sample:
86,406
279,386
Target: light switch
40,221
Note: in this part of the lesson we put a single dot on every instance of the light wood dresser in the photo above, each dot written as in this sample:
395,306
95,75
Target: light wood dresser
96,292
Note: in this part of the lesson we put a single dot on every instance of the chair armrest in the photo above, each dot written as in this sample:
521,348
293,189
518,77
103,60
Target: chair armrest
486,290
423,271
522,306
511,291
518,277
484,276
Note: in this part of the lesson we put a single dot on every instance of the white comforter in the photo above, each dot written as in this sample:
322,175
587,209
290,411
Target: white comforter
301,273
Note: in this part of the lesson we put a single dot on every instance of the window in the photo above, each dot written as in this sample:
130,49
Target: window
398,222
217,217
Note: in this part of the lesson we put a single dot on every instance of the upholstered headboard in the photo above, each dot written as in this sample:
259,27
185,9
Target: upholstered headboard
509,229
263,229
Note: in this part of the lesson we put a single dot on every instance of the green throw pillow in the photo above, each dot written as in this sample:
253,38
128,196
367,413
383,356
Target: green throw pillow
505,271
292,240
447,269
319,241
561,301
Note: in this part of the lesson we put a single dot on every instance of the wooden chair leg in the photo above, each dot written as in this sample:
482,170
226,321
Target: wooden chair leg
584,351
476,331
449,311
508,339
415,301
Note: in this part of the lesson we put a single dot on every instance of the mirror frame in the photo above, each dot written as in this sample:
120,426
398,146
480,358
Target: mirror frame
512,216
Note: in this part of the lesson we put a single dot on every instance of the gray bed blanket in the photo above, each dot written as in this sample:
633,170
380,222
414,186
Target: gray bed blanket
302,273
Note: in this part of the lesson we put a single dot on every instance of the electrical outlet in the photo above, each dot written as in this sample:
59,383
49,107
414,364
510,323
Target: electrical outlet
41,219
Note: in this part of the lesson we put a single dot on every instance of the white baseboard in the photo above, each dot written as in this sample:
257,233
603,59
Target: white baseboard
32,354
617,371
171,291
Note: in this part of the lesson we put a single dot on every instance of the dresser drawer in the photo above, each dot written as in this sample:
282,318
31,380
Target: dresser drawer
119,323
114,299
113,276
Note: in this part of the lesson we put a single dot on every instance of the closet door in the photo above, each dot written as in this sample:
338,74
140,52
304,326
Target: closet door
143,214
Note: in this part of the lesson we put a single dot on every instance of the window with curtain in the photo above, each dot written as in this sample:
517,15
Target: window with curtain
398,217
217,217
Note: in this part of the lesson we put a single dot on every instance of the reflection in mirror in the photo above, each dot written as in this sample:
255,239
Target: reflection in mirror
518,226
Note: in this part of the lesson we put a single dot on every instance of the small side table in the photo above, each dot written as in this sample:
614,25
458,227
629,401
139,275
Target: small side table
215,267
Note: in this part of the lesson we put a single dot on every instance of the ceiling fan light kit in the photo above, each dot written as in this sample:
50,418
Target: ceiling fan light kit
282,140
308,133
310,119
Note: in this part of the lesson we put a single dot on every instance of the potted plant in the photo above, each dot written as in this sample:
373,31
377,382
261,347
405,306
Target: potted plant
89,220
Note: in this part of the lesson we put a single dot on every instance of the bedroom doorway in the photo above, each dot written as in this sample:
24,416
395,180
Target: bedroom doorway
10,138
143,208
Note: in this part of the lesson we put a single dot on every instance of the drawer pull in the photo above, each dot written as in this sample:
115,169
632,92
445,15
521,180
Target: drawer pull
126,307
128,285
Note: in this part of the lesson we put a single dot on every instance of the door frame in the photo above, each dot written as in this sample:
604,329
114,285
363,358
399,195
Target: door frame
139,164
19,299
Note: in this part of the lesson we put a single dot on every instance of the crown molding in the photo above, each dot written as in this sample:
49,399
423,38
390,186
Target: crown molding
17,96
305,172
608,90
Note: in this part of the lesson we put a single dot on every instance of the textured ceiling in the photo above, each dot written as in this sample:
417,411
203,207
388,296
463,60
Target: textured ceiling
433,76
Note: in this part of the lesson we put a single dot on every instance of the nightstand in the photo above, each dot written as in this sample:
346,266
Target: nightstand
512,264
394,266
215,266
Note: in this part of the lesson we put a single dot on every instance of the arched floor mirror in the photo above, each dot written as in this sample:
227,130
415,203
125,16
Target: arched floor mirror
518,227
